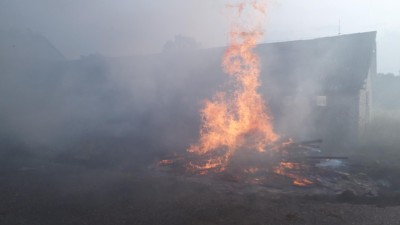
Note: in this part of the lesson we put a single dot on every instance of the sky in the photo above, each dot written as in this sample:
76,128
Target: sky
130,27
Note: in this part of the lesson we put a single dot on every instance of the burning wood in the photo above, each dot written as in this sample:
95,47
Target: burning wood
289,166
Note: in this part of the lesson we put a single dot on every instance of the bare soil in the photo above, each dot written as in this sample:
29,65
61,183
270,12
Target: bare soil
47,191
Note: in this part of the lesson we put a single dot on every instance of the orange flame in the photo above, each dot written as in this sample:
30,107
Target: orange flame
283,168
237,119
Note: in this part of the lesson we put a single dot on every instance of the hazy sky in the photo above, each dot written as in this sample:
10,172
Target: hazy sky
127,27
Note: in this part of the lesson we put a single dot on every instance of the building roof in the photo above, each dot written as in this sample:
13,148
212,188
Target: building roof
319,66
331,64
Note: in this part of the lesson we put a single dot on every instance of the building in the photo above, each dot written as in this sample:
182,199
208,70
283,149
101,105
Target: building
321,88
315,89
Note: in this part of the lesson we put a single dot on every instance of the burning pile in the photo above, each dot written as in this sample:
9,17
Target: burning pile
237,140
236,129
294,165
237,119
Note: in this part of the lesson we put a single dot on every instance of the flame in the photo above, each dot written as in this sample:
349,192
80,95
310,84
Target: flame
237,119
283,168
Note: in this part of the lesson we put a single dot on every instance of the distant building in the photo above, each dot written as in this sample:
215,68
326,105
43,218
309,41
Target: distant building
321,88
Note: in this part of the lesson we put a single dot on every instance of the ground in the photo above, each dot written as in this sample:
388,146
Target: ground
52,190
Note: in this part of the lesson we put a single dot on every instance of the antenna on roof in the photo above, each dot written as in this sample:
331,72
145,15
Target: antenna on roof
339,28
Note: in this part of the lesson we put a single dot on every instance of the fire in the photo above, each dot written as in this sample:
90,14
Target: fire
284,168
237,119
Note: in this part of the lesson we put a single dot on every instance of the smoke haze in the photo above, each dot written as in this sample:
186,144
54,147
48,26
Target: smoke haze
136,27
96,94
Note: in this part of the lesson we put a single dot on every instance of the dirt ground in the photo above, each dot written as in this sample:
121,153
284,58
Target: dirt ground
45,191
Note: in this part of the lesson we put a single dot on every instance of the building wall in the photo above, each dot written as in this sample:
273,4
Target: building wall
365,97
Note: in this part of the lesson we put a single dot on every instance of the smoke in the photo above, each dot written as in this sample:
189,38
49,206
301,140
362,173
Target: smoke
116,29
79,129
52,102
154,97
